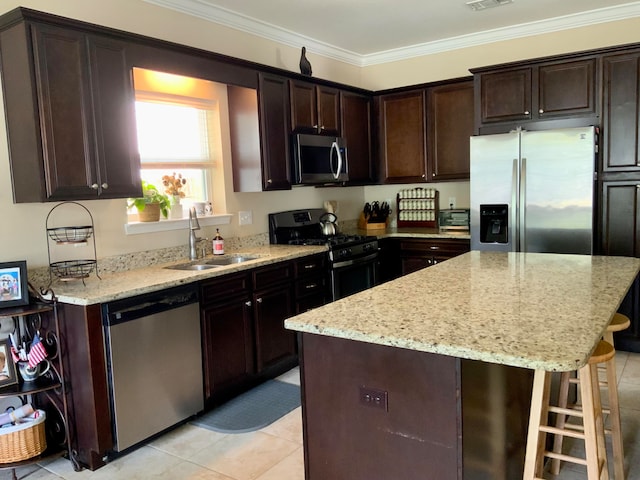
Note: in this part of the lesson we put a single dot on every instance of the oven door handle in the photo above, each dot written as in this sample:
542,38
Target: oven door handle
357,261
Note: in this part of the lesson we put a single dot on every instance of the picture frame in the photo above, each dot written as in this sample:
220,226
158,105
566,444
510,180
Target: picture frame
13,284
8,372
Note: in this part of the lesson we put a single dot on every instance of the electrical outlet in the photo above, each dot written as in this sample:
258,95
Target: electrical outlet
372,397
245,217
452,202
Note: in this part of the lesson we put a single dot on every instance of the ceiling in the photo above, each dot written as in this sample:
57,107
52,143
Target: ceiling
365,32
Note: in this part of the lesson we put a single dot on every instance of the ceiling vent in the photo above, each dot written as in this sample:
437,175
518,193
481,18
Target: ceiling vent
477,5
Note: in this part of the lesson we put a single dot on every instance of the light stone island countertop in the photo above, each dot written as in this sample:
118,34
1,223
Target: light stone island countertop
533,310
114,286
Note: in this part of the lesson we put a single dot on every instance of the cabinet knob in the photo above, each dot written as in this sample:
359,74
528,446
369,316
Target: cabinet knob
94,186
322,127
258,300
541,111
105,186
315,126
248,304
526,112
423,175
269,181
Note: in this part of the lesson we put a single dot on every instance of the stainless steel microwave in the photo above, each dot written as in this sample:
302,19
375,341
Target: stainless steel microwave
319,159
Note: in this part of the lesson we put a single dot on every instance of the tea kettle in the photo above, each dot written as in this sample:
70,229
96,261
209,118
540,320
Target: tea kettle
328,224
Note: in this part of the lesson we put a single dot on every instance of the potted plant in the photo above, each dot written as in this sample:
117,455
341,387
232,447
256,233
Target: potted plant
151,204
173,187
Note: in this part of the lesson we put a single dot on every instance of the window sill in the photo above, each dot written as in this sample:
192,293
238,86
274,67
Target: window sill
135,228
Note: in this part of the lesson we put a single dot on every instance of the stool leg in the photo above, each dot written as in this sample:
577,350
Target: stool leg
563,400
538,415
614,415
593,425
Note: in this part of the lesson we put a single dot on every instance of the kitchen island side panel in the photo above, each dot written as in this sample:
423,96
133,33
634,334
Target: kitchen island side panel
446,418
416,435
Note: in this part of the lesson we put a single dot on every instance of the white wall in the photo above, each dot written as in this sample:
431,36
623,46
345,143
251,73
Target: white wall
24,232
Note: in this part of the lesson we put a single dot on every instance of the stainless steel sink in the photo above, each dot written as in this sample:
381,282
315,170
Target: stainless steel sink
229,260
191,266
211,263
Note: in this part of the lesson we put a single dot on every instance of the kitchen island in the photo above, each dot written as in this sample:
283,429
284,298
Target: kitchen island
429,376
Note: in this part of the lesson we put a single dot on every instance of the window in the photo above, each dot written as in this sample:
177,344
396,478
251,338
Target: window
173,139
177,120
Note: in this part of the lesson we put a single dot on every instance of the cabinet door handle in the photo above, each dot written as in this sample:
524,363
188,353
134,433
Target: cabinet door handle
434,247
94,186
105,186
310,286
309,266
248,304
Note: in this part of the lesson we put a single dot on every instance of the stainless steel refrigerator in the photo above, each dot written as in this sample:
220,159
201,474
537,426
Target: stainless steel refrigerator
533,191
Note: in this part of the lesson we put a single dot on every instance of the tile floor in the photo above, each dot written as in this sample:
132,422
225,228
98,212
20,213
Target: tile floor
275,452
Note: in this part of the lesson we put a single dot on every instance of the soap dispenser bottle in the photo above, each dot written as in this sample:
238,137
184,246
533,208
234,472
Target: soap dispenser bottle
218,243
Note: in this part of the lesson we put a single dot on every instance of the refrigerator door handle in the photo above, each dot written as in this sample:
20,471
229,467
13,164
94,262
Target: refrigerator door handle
522,209
514,237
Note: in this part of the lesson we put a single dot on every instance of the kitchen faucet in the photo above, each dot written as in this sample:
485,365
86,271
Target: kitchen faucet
193,226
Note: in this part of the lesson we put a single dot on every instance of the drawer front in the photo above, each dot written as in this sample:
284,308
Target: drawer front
436,247
310,265
308,303
223,287
311,285
264,277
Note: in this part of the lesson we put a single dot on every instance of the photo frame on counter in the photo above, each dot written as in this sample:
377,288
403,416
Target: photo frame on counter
8,373
13,284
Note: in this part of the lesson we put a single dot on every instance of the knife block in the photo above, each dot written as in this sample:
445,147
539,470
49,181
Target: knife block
365,224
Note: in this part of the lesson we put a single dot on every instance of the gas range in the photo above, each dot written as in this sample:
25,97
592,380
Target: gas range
302,227
353,259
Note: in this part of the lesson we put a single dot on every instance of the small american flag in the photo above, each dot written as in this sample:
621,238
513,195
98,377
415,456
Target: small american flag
37,353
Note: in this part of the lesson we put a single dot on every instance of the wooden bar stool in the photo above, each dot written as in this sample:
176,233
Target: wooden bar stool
618,323
592,421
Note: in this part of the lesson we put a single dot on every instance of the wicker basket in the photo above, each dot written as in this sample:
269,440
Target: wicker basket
23,440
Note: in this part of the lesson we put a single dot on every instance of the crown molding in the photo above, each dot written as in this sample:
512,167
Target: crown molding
206,11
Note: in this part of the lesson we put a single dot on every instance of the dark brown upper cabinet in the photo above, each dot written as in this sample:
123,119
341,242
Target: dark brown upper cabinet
69,103
314,108
259,128
621,117
356,130
449,126
536,91
402,136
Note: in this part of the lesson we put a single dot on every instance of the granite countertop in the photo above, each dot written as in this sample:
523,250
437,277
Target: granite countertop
532,310
114,286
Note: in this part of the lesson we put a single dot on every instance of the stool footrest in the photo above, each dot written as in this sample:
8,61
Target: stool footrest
565,458
562,431
567,411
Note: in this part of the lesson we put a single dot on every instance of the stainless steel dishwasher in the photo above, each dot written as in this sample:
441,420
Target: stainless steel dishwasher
154,362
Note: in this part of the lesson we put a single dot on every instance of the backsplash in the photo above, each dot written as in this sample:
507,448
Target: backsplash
39,277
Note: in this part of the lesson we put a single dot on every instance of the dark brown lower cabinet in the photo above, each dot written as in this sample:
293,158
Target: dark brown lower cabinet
273,342
372,411
227,336
621,236
416,254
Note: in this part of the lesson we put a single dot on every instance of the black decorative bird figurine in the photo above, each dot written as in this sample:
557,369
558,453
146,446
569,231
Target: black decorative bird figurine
305,66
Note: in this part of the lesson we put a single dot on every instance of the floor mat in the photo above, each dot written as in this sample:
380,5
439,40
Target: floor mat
252,410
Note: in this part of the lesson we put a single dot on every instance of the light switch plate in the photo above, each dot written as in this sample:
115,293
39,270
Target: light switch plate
245,217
